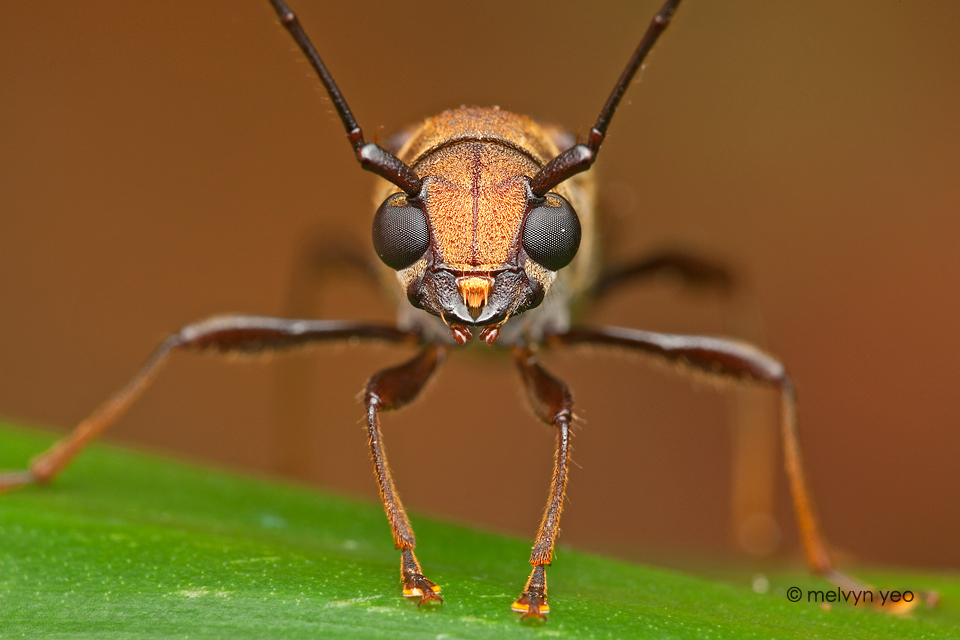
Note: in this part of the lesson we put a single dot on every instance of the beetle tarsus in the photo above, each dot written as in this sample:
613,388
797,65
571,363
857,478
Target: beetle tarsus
532,603
930,598
415,585
15,479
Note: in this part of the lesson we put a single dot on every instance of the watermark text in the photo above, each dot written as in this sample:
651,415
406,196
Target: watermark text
854,597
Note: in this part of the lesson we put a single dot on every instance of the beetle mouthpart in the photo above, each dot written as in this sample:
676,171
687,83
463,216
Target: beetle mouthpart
460,333
475,290
490,333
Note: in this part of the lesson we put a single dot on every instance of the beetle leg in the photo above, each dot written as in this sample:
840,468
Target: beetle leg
389,389
552,402
752,411
727,359
224,334
690,269
318,260
296,379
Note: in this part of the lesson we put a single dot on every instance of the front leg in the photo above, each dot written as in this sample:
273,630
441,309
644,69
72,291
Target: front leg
552,403
392,389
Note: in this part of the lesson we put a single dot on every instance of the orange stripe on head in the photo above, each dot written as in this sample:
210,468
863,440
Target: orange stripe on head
475,198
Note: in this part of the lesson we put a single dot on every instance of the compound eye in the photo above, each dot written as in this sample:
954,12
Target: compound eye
551,234
400,233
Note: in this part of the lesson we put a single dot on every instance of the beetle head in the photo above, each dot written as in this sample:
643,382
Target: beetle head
476,246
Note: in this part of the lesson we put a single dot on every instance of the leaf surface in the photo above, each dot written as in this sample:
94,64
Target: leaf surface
127,545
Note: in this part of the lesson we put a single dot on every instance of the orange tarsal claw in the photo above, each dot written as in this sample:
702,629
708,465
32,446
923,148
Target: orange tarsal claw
534,607
415,585
419,587
532,603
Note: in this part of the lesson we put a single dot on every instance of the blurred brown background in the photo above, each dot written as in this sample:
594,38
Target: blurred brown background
164,161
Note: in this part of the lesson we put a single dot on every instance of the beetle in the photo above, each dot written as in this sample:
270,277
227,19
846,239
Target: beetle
487,224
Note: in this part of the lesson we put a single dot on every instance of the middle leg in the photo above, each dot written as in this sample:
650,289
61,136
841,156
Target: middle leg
389,389
724,359
551,402
753,411
317,264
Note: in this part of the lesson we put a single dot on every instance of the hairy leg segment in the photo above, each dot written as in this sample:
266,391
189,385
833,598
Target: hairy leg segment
724,359
753,410
221,334
552,403
389,389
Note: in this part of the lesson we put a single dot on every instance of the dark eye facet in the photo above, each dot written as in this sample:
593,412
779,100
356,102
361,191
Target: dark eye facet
551,233
400,233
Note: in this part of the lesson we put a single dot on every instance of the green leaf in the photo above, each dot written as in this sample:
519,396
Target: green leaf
126,545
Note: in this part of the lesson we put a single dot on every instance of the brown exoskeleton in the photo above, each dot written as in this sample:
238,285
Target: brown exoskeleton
487,224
